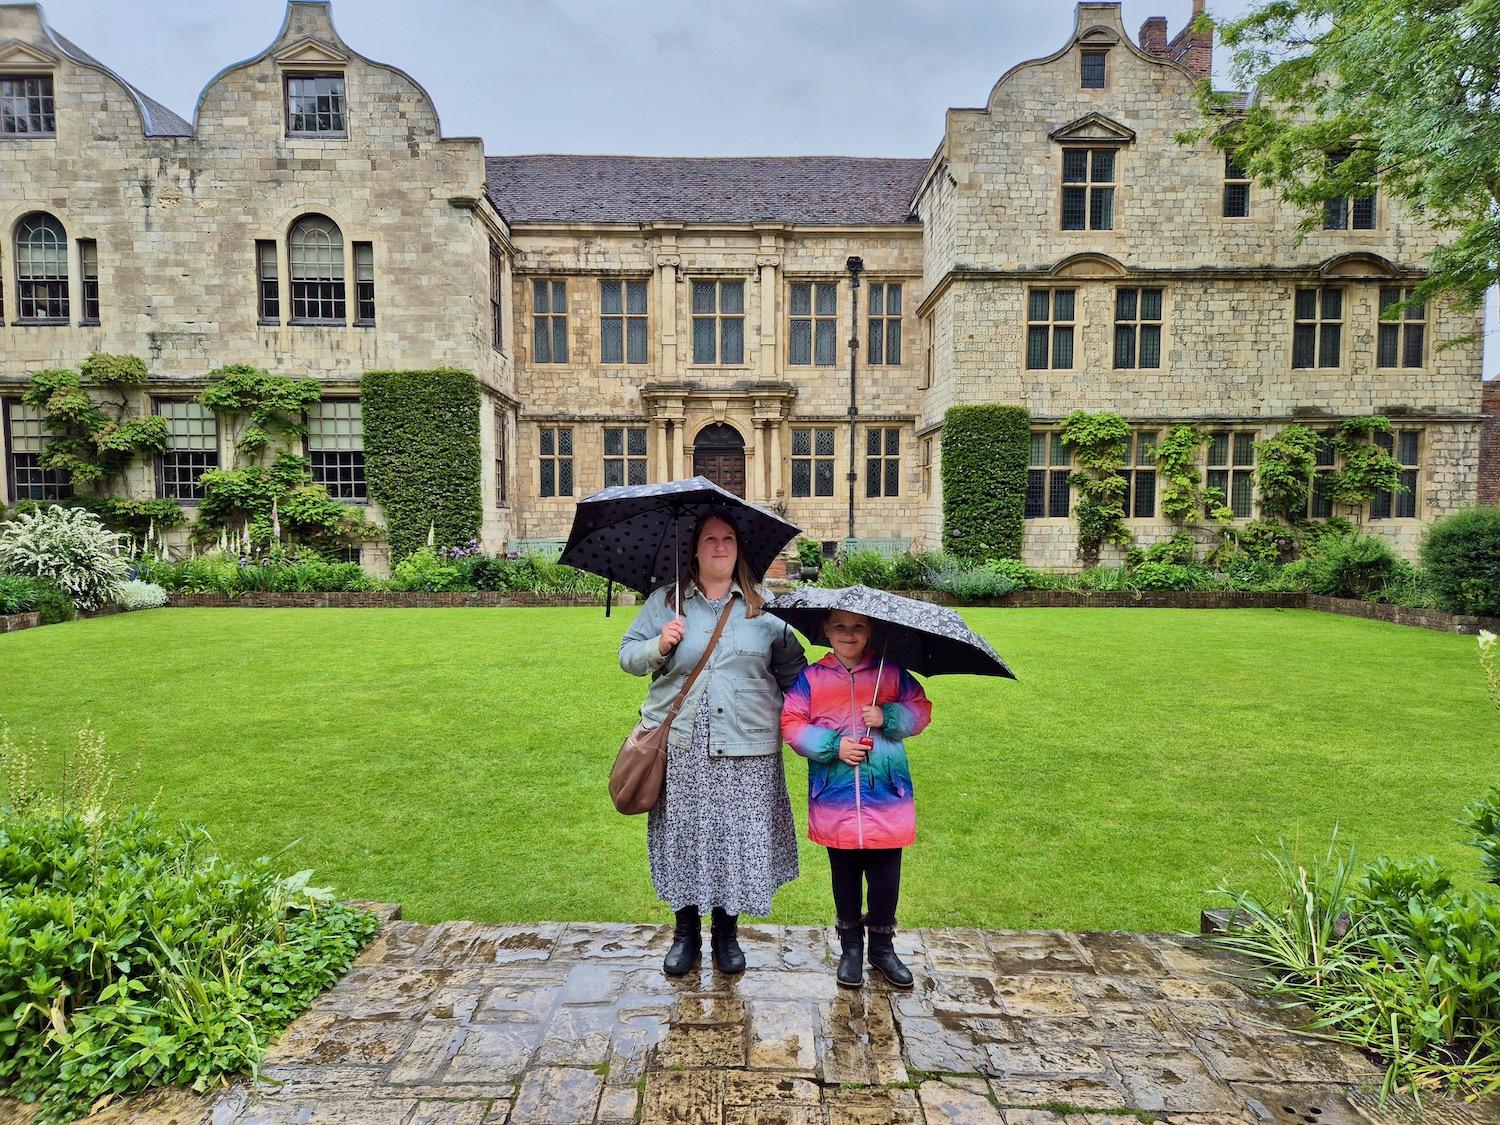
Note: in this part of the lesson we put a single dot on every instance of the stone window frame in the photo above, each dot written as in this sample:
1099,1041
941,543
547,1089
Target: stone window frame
1405,445
1318,327
1093,69
626,455
624,325
1139,498
813,457
1229,464
502,456
1319,507
56,294
497,299
88,277
178,469
883,327
549,327
267,282
555,452
812,323
1400,343
882,459
1237,185
718,320
364,283
45,96
42,484
1049,489
1096,191
1135,329
323,285
320,74
1341,213
335,447
1050,329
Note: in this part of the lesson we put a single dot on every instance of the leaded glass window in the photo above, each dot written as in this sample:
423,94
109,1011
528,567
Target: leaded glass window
624,455
1138,328
549,322
622,322
1088,198
1049,331
814,325
884,346
718,322
812,462
556,460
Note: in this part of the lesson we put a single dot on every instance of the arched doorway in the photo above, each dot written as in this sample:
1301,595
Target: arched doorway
719,455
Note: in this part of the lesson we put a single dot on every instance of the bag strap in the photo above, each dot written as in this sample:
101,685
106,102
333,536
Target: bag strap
693,675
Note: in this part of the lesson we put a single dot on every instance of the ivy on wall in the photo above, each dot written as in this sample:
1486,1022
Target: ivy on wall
986,452
422,455
1100,442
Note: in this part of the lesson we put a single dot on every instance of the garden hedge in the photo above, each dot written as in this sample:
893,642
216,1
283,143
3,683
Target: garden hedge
986,452
422,457
1462,555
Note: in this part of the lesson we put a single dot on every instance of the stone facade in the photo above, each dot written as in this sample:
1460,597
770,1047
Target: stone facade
594,365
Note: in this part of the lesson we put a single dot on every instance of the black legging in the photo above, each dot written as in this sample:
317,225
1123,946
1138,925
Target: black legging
852,868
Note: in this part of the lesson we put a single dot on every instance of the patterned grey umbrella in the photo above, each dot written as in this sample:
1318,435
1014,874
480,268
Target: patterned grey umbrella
925,638
639,535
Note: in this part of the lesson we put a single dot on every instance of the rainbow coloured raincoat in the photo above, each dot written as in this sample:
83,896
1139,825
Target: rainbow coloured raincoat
869,805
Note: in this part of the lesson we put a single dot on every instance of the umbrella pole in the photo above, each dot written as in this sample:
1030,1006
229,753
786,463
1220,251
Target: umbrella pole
609,595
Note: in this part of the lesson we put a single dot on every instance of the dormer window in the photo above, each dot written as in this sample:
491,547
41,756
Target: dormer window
1091,69
26,106
315,105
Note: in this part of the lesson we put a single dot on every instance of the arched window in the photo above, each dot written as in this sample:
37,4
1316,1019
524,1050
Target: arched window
315,251
41,269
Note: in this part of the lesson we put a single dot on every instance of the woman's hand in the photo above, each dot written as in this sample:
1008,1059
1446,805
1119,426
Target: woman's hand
671,635
853,751
873,716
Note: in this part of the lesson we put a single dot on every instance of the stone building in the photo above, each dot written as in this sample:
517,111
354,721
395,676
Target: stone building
635,319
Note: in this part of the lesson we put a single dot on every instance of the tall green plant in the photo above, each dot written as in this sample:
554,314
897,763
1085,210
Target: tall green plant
258,407
1099,442
1365,468
94,442
986,452
1183,497
277,503
422,455
1284,466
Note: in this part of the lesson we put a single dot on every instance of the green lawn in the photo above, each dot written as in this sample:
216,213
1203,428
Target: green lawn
455,760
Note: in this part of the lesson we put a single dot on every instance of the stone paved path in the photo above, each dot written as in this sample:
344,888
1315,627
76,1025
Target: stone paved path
574,1024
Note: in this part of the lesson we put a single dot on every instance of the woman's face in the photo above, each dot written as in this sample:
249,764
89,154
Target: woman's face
717,551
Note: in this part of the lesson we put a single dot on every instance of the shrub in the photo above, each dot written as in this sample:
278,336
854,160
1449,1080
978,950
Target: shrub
135,594
857,568
987,581
132,956
424,570
1461,556
54,604
68,547
985,454
1359,567
17,594
1171,576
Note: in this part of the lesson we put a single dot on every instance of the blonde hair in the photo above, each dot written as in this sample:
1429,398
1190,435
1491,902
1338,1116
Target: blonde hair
754,597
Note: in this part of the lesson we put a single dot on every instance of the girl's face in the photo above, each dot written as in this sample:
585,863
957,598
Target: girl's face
717,551
848,635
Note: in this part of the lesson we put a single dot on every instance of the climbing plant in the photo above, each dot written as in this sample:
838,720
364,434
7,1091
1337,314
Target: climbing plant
1365,468
258,507
422,455
257,407
1183,497
986,450
1284,465
1099,442
94,442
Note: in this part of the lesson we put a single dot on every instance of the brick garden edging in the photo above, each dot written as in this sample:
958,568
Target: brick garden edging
13,622
1022,599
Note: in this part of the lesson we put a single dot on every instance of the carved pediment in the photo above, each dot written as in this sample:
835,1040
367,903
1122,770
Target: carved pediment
1098,36
1088,265
1094,128
16,56
1358,264
311,54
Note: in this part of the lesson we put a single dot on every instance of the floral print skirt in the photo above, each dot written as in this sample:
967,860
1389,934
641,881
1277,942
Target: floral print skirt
722,834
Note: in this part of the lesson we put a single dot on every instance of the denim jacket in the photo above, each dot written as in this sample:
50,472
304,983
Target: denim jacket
746,678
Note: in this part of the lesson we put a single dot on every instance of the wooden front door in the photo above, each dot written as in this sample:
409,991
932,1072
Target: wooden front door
719,455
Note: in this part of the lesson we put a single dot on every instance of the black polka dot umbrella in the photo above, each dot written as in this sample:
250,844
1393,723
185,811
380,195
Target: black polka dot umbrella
639,534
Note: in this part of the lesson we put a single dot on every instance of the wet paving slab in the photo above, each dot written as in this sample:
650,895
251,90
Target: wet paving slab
575,1024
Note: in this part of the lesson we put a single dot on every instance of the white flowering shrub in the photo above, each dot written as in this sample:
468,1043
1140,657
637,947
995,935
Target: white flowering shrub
70,548
136,594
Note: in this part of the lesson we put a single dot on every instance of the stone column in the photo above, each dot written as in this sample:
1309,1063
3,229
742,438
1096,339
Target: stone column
768,264
667,266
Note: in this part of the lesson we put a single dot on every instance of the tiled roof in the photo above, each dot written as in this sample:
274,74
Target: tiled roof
748,189
159,120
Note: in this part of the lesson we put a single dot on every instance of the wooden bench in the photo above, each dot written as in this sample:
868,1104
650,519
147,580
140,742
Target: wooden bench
547,548
887,547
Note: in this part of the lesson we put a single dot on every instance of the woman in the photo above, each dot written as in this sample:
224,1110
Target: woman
722,835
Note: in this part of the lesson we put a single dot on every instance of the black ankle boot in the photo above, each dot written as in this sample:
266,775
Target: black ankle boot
851,972
687,943
883,956
725,936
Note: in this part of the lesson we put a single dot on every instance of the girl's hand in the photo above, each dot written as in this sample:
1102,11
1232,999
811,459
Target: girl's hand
852,752
671,635
873,717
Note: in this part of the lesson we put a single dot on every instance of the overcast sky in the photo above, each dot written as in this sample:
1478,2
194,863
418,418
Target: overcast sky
647,77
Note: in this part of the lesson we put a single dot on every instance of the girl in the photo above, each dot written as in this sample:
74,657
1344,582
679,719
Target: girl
847,715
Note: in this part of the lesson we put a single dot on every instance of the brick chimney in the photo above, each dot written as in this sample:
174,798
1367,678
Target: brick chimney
1153,37
1194,50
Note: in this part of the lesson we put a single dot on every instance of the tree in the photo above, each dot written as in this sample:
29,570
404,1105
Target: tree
1408,89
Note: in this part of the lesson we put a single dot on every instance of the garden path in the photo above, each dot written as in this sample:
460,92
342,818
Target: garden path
574,1024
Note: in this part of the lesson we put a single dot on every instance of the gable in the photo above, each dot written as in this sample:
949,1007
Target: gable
1094,129
17,57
